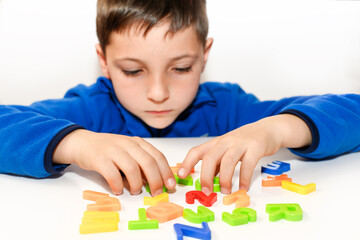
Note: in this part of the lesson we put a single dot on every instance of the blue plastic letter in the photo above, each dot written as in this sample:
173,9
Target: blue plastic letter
194,232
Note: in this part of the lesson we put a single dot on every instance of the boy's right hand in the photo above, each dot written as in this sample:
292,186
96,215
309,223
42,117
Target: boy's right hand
108,153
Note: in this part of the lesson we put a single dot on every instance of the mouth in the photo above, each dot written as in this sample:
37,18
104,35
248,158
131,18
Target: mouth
159,113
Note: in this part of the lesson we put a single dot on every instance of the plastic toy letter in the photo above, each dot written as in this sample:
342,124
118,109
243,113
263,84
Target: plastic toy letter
95,222
240,198
302,189
147,187
239,216
93,196
105,204
275,181
101,216
97,216
164,211
152,201
182,230
203,215
205,200
143,223
276,168
175,169
216,182
188,181
97,227
290,212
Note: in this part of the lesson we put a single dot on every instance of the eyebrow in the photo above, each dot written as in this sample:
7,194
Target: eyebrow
194,56
128,59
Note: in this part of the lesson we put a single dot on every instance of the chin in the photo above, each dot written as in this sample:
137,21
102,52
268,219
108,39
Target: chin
159,124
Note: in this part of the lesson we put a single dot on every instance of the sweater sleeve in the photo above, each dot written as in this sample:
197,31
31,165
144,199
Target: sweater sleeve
26,137
334,121
30,134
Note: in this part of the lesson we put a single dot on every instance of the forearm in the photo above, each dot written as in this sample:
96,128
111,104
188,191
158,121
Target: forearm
26,139
292,130
334,123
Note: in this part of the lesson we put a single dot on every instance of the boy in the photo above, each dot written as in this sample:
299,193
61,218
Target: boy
152,54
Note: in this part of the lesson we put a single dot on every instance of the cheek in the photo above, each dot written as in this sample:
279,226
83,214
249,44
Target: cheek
186,91
127,94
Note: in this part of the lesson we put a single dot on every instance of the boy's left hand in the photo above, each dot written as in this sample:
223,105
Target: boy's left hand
247,144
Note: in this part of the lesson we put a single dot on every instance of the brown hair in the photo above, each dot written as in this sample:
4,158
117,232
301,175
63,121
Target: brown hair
119,15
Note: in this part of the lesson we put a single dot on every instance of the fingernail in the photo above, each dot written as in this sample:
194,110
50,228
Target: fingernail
205,190
171,182
224,190
136,193
243,187
181,172
118,193
158,192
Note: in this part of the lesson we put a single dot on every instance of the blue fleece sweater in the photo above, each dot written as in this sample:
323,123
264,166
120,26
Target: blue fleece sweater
29,134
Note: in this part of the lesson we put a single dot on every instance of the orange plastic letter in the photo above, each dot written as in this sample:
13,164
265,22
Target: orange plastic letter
275,181
93,196
240,198
175,169
105,204
164,211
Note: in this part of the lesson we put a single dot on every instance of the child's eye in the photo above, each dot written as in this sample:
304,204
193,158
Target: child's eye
182,70
131,72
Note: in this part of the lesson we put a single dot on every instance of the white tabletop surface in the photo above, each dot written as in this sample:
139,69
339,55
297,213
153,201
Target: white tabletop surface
52,208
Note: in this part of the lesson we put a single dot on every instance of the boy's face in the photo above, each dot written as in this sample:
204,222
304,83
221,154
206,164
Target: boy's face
155,77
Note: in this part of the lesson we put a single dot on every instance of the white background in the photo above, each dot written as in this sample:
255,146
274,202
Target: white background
271,48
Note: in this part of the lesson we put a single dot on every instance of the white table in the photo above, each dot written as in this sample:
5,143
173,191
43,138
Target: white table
52,208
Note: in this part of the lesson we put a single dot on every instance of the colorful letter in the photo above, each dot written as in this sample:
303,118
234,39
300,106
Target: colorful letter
203,215
105,204
94,222
175,169
199,233
290,212
216,184
240,198
93,196
148,188
276,168
143,222
188,181
275,181
205,200
302,189
239,216
164,211
152,201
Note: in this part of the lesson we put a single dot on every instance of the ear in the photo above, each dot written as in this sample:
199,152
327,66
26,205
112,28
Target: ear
102,61
207,48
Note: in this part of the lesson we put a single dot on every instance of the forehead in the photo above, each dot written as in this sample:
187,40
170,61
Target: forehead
156,41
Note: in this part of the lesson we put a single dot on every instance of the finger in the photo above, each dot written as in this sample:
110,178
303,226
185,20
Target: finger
209,164
227,167
131,169
162,163
148,165
194,156
217,170
249,161
112,175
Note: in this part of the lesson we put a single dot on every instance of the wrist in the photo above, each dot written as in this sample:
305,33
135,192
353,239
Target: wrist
294,132
66,151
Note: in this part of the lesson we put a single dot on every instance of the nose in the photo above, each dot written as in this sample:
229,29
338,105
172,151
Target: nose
157,90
